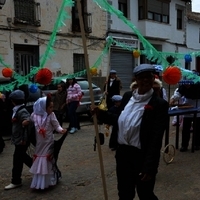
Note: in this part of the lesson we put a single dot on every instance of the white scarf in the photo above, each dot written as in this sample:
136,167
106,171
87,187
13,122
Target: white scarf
111,81
142,97
39,109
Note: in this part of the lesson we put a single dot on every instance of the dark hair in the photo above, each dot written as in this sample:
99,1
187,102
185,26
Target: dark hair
63,85
48,100
73,82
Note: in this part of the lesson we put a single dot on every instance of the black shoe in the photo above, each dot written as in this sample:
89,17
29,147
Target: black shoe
183,149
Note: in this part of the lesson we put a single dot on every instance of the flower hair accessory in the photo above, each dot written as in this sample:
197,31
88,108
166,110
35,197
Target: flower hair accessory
148,107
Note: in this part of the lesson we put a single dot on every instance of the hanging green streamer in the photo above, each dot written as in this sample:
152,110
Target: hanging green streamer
59,23
20,80
149,51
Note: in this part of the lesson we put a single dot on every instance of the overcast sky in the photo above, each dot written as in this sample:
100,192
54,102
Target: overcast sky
196,6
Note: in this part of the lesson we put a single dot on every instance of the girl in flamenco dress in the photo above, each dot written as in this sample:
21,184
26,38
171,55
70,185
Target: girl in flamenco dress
44,169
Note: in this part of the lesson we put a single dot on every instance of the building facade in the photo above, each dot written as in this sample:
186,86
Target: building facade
169,26
26,28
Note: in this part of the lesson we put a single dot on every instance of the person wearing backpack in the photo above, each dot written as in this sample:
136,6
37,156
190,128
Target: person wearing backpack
20,119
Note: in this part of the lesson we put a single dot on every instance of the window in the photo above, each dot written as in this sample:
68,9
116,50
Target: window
199,35
157,10
122,6
87,18
79,62
179,19
27,12
25,57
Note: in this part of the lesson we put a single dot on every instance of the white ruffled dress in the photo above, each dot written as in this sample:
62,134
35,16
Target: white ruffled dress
43,169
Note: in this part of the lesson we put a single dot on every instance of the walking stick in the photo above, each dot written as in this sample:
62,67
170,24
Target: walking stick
92,96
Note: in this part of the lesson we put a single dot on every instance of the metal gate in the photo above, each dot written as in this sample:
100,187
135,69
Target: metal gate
25,57
123,63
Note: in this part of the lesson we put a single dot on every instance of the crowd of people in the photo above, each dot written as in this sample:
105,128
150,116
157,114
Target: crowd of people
139,122
47,119
138,118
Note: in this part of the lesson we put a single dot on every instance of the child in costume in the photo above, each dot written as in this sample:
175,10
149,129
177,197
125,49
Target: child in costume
20,119
44,169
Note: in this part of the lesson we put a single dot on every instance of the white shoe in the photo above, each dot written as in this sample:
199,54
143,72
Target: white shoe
73,130
12,186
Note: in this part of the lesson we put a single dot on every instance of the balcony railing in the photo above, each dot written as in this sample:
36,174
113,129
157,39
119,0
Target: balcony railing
87,19
27,12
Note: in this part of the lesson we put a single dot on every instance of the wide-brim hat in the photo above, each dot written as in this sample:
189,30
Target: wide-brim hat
143,68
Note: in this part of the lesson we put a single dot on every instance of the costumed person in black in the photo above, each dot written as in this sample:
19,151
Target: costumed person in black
20,119
112,87
140,128
115,110
191,92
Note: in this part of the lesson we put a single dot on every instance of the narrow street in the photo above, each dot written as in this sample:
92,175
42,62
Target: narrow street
81,176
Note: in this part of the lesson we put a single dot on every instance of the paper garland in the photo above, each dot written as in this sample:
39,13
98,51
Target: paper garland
149,51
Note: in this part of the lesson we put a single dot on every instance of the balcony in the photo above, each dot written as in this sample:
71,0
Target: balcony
27,12
87,20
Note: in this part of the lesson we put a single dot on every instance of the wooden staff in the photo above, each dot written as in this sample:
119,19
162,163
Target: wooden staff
92,96
108,73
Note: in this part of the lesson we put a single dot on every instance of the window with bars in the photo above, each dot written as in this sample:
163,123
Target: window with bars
87,18
78,62
27,12
157,10
25,57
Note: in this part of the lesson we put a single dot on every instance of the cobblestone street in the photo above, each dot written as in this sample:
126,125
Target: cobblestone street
81,177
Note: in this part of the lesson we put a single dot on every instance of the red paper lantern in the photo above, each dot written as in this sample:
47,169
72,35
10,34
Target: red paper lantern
7,72
136,53
172,75
44,76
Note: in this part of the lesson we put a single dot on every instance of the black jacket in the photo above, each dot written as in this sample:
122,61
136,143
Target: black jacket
153,125
114,89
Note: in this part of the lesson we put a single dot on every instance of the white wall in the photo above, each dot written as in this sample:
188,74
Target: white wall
181,41
65,45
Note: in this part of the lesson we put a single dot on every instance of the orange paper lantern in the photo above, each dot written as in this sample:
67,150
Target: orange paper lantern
7,72
44,76
93,71
172,75
136,53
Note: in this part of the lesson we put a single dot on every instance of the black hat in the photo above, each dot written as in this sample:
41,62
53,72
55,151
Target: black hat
17,94
112,71
143,68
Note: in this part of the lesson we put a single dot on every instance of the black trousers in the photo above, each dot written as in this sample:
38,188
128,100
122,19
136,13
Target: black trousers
59,116
187,122
129,165
19,157
2,144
